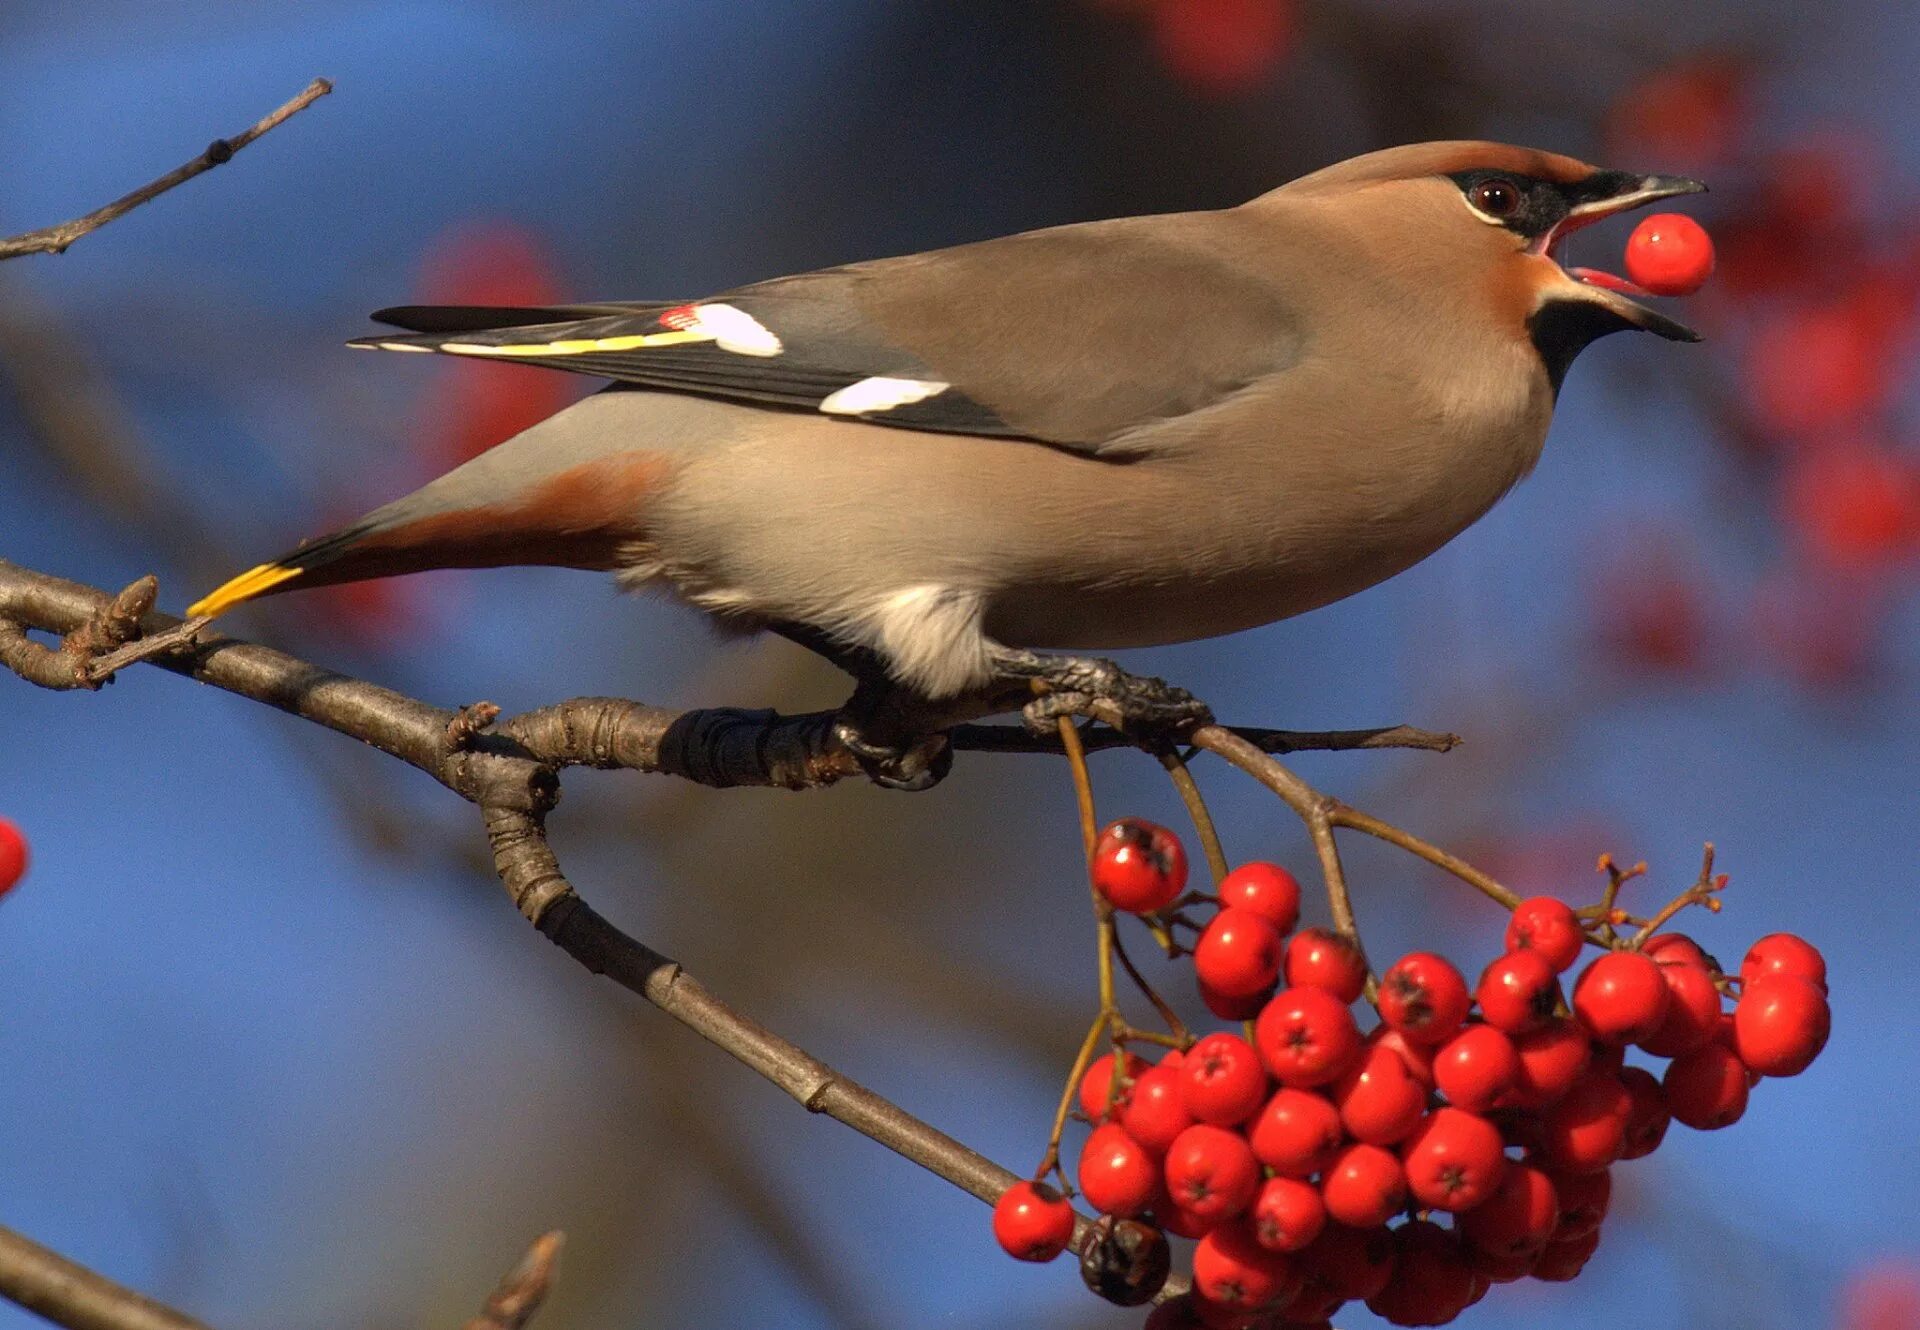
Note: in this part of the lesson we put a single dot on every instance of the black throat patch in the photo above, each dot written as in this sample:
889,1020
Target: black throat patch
1562,329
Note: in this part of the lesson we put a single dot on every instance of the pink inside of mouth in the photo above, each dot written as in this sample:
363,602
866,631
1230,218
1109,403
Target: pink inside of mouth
1595,277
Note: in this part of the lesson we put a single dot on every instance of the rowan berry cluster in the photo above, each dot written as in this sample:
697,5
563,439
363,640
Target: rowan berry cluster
1461,1138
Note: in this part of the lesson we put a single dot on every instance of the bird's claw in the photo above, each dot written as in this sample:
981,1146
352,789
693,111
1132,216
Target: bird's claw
1137,703
919,764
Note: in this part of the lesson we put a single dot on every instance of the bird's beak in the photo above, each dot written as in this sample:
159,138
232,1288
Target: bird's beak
1617,192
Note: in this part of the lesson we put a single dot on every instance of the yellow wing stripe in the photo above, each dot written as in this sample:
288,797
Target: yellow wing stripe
579,346
244,587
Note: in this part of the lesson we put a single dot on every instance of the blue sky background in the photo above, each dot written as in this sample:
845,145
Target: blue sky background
268,1065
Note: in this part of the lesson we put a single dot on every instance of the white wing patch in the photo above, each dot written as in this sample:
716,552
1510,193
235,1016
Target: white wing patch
732,329
880,393
727,326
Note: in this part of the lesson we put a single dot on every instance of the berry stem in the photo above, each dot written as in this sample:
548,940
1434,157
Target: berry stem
1175,1025
1700,893
1050,1161
1203,826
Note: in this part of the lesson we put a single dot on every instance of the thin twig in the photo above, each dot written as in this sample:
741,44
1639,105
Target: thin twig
55,239
523,1288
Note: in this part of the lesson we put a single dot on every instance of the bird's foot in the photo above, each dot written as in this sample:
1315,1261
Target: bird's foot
877,726
1082,685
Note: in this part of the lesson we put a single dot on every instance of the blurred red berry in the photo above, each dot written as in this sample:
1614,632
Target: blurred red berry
1097,1090
1156,1112
1223,1080
1380,1102
1476,1067
1563,1259
1884,1296
1116,1174
1552,1058
1322,958
1854,507
1355,1263
1431,1282
1269,890
1670,254
1620,998
1707,1089
1819,368
1223,48
1139,866
1454,1160
1784,953
1364,1186
1520,1215
1693,1011
1232,1269
1238,953
13,855
1688,116
1648,1116
1548,927
1297,1134
1424,998
1032,1222
1587,1129
1518,991
1306,1036
1211,1171
1780,1024
1288,1214
1584,1199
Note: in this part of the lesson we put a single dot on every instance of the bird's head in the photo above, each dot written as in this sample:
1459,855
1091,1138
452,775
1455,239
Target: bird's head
1498,216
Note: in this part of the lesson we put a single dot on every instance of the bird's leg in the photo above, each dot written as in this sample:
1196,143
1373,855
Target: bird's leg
889,729
1138,702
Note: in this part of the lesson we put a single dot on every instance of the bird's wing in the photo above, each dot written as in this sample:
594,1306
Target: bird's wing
1077,336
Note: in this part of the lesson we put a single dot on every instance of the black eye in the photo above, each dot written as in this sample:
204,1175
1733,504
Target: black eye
1496,197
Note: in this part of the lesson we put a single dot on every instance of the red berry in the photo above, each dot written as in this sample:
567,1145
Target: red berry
1231,1008
1518,1218
1297,1134
1548,927
1648,1117
1476,1067
1777,953
1693,1011
1269,890
1232,1269
1564,1258
13,855
1780,1024
1032,1222
1223,48
1212,1172
1181,1222
1364,1186
1097,1090
1424,998
1380,1102
1707,1089
1355,1263
1671,948
1139,865
1223,1080
1418,1057
1288,1214
1620,998
1238,954
1518,991
1431,1282
1552,1058
1584,1198
1116,1174
1670,254
1499,1269
1454,1160
1156,1112
1587,1129
1307,1036
1322,958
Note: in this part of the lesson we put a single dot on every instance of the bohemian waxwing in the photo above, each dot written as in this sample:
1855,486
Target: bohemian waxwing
1114,434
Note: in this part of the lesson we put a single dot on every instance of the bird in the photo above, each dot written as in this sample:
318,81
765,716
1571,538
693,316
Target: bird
964,469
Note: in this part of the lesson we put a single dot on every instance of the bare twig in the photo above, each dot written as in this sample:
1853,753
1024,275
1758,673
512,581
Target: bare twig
523,1288
67,1293
55,239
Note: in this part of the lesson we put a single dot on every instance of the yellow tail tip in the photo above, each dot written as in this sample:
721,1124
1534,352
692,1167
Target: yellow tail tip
245,587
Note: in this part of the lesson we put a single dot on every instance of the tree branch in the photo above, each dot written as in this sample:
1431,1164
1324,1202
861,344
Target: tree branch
523,1288
67,1293
55,239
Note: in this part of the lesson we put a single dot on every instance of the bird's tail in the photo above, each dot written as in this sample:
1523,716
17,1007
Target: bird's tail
263,578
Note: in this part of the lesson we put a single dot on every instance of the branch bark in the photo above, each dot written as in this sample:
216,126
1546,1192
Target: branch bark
67,1293
55,239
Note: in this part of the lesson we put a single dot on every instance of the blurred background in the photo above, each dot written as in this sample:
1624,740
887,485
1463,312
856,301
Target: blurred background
275,1047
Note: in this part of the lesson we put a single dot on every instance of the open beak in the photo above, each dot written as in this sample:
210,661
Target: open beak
1624,193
